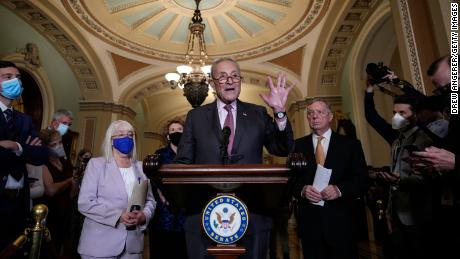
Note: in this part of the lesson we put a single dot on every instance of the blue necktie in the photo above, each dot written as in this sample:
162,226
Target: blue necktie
9,119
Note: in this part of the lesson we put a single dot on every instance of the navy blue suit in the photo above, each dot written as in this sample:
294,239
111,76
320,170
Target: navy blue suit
328,231
14,211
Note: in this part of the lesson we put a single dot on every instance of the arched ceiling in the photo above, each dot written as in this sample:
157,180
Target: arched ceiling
159,28
133,43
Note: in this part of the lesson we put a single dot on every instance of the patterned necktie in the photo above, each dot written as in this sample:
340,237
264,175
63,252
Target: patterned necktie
9,119
229,123
319,153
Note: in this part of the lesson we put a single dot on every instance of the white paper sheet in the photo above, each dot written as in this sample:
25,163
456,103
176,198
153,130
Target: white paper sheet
321,181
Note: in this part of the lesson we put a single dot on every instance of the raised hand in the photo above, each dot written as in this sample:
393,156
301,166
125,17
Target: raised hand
277,97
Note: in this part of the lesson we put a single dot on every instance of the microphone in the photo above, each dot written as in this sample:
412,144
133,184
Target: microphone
226,131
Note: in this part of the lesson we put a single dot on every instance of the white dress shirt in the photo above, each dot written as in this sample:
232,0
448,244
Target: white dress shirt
223,114
129,179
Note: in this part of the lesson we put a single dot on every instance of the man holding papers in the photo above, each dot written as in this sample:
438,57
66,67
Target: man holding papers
335,176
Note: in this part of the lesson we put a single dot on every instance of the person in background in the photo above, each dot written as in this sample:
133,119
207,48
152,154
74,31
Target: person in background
173,133
76,224
19,144
167,239
111,229
329,230
60,187
62,120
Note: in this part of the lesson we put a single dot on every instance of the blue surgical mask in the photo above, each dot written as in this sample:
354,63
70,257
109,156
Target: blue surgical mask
11,89
62,128
124,145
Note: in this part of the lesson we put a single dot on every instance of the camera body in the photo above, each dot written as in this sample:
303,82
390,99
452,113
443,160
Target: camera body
377,72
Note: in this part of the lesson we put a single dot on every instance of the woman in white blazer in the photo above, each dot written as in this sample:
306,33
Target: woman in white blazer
111,229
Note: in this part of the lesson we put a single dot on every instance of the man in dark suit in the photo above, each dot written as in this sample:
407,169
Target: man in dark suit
251,128
19,144
327,230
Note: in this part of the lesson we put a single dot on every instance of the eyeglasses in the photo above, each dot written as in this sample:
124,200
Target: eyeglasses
223,79
310,113
122,135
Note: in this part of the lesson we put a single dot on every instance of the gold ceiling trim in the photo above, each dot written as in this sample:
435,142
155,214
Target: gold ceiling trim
107,107
314,14
342,40
77,61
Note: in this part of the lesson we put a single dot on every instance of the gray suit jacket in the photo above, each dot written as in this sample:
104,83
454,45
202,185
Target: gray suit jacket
200,142
102,199
411,200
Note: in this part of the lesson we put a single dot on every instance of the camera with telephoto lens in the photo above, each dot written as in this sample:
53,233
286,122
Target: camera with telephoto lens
377,73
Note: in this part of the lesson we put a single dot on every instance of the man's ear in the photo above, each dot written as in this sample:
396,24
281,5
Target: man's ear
331,116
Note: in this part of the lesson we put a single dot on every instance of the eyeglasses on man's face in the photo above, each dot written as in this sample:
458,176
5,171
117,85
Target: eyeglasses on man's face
224,78
122,135
311,113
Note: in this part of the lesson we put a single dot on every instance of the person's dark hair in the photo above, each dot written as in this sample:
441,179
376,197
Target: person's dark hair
406,99
47,135
434,66
5,64
177,120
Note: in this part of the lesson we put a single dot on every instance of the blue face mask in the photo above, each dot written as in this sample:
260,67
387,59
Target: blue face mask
11,89
124,145
62,128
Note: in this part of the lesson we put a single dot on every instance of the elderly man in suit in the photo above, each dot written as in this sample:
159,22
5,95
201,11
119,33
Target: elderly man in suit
327,231
250,129
19,144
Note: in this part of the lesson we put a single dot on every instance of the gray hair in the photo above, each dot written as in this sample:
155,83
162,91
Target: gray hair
61,113
114,128
219,60
319,99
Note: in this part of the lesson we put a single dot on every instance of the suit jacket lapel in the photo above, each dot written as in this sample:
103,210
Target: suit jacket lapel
112,168
213,117
331,154
3,126
242,116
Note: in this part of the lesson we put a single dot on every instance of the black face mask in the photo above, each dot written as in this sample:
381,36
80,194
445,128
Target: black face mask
175,138
85,160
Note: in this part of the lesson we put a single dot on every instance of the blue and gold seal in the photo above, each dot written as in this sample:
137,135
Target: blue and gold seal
225,219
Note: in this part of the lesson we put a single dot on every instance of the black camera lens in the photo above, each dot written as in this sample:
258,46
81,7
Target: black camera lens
377,72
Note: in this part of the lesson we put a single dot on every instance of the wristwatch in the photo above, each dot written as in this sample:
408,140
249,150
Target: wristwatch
280,115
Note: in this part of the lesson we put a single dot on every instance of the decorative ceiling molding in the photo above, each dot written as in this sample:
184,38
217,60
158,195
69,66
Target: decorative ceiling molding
291,61
125,66
408,34
82,69
342,40
107,107
254,46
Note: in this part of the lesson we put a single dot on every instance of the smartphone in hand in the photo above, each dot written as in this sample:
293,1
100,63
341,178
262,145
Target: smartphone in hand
413,147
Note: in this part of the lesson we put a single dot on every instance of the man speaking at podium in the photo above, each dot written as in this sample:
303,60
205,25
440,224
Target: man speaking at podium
248,126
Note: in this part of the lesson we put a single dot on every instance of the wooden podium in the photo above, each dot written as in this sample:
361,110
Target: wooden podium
218,174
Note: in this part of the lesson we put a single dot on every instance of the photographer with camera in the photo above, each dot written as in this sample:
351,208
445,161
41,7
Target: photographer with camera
411,192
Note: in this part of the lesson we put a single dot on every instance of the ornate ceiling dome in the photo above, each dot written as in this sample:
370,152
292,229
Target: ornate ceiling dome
159,28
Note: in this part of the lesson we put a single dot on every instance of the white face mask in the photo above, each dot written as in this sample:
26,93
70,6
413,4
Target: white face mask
62,128
398,121
58,151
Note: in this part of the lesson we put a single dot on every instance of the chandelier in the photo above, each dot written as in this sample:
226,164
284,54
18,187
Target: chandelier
194,77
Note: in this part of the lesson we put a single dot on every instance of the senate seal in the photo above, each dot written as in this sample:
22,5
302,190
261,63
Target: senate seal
225,219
